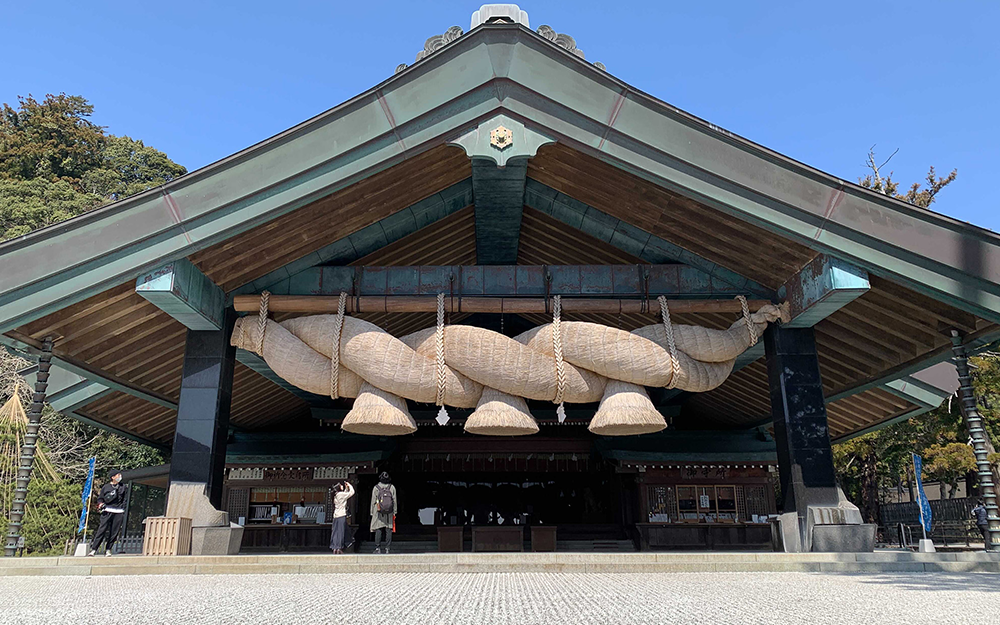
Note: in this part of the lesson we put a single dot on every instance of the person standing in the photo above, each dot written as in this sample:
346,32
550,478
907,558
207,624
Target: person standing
383,512
111,505
982,522
343,492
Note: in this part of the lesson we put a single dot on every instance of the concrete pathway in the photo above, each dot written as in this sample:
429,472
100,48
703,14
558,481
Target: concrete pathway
506,599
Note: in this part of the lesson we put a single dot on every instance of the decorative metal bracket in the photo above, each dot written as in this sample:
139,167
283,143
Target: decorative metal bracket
501,139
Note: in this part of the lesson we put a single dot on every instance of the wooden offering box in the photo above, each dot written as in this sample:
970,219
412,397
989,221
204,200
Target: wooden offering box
450,538
498,538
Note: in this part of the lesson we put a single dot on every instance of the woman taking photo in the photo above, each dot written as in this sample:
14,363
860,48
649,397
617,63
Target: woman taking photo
341,493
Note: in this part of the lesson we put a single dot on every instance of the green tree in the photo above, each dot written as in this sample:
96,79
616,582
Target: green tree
916,194
128,166
52,139
948,463
55,164
27,205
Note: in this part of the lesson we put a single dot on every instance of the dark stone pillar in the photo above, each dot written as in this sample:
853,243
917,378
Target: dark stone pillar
805,459
199,451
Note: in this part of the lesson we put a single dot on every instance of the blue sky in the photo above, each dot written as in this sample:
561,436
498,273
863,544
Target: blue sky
819,82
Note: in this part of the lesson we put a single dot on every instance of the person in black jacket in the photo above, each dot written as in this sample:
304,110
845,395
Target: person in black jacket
111,505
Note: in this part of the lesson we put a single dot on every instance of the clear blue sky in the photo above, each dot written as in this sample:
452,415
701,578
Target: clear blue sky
820,82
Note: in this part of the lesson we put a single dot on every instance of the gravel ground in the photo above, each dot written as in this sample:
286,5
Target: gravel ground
505,598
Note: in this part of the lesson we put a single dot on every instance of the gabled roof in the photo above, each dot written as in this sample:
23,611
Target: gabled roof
492,69
615,177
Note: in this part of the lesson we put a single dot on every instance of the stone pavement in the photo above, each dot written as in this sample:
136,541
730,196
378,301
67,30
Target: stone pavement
505,599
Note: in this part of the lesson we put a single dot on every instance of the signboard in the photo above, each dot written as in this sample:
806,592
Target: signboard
704,501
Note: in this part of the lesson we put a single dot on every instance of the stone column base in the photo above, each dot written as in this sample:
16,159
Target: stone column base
844,538
216,541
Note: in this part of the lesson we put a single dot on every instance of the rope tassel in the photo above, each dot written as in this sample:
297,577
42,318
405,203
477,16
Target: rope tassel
751,328
668,329
338,330
262,323
557,350
442,416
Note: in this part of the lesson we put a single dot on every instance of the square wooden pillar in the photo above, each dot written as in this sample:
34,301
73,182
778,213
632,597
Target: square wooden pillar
815,516
199,450
801,432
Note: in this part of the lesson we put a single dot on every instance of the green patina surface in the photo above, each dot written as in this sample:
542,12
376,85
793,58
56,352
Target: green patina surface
821,288
691,446
182,291
631,281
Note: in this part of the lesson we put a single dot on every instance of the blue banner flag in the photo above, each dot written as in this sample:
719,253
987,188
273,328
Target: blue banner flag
922,503
88,486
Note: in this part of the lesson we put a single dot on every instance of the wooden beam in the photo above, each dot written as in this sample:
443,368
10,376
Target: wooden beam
674,281
71,392
182,291
499,196
85,370
514,305
67,391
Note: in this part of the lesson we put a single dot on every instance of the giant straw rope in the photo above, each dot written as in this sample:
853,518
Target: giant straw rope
471,367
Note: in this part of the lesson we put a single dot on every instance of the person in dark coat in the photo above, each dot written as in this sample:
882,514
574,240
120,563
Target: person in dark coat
111,505
383,511
982,522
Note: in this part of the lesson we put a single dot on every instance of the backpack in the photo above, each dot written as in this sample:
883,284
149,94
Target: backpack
385,503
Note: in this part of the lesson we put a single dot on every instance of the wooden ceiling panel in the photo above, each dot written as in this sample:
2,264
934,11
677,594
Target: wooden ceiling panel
267,247
547,241
739,246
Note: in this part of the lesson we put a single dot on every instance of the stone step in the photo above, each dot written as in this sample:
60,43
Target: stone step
878,562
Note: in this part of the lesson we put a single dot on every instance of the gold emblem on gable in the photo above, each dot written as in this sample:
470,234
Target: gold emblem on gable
501,138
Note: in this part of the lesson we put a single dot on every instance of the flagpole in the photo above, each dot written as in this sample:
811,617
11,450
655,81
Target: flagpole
86,515
920,507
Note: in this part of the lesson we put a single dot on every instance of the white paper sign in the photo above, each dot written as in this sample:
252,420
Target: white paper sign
704,501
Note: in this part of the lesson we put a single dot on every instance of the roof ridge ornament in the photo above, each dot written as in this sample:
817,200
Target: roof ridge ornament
566,42
435,43
498,14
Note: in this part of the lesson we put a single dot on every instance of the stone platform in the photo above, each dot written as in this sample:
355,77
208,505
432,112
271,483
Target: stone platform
725,562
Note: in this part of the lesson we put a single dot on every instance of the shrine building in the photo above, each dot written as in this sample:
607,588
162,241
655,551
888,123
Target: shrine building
558,311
